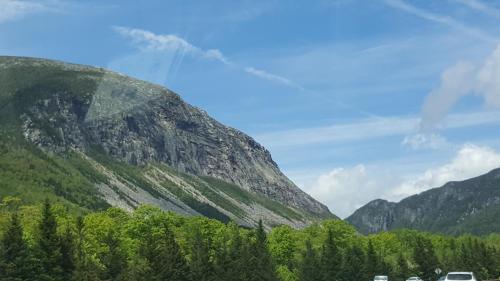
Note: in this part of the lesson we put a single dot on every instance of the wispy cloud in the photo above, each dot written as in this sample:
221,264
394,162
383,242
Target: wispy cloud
149,41
272,77
441,19
16,9
481,7
370,128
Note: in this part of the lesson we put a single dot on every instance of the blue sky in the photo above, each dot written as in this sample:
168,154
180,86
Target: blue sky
355,99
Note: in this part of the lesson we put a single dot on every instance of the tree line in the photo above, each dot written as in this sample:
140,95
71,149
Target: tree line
51,243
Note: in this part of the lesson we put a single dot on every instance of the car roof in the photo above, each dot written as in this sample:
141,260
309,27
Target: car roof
461,272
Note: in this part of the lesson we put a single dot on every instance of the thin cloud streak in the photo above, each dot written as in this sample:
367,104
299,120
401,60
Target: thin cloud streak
369,128
273,77
149,41
446,20
481,7
15,9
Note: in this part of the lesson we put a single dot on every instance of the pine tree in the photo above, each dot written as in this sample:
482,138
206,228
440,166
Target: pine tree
201,265
222,262
68,254
372,263
308,269
465,260
15,256
85,270
353,267
232,261
403,270
331,259
114,259
164,257
425,258
49,246
264,269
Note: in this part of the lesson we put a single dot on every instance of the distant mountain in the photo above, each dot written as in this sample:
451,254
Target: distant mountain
94,138
469,206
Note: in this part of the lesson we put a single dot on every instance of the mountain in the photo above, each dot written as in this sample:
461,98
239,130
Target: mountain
469,206
95,138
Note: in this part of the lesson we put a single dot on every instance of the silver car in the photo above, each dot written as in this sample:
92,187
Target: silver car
414,279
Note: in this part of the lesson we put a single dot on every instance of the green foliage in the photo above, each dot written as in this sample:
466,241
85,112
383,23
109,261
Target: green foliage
16,262
425,259
201,265
331,259
49,243
31,175
309,265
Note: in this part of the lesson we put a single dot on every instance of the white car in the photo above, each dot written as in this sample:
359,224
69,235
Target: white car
414,279
381,278
460,276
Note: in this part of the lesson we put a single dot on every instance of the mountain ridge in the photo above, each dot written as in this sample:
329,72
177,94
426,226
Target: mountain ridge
64,108
457,207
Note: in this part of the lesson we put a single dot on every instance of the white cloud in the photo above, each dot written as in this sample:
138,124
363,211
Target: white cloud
446,20
470,161
458,81
344,190
455,83
425,141
148,41
15,9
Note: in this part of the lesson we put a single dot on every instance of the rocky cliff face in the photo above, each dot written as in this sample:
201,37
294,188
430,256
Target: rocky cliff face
64,107
470,206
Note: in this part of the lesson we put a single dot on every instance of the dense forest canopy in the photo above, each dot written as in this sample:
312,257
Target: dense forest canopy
51,242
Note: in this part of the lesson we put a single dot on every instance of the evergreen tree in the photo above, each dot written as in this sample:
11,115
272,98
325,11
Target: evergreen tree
201,265
16,260
114,259
402,270
331,259
372,263
164,257
221,262
68,254
425,258
263,269
85,269
308,270
49,246
465,260
354,265
233,260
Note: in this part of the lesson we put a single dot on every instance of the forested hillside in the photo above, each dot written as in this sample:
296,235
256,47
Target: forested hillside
51,242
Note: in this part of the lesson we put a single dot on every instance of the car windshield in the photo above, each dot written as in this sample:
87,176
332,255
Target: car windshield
462,276
380,277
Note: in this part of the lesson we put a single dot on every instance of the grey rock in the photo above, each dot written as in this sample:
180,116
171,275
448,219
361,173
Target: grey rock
82,108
